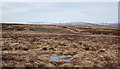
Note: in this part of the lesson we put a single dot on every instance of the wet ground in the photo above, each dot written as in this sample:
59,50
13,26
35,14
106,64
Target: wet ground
59,46
55,57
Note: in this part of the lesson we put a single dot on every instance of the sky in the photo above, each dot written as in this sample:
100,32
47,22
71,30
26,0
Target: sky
60,12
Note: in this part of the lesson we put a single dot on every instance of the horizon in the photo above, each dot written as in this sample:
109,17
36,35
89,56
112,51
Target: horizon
60,12
67,23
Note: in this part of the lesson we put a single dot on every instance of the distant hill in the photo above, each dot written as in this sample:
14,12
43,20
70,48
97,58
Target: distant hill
109,24
77,24
86,24
70,24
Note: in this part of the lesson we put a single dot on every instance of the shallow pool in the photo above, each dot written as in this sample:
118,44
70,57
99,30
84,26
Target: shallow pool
55,57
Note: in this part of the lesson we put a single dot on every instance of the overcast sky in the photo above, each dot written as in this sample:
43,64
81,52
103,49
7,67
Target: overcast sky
97,12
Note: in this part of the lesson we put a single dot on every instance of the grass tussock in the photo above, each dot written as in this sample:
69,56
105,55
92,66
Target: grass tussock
31,45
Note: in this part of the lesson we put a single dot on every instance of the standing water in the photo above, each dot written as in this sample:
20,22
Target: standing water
55,57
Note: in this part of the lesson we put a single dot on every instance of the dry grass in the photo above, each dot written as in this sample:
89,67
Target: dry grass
30,45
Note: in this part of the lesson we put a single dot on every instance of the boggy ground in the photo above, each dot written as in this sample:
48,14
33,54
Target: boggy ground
29,45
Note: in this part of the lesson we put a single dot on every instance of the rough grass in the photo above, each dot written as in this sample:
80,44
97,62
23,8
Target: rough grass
51,30
29,45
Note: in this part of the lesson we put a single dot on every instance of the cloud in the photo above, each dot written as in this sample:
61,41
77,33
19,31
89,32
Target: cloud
59,11
60,1
10,8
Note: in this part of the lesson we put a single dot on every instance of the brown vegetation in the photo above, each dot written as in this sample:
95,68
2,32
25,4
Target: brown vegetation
30,45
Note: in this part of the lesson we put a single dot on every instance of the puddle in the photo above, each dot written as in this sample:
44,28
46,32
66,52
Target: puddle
55,57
